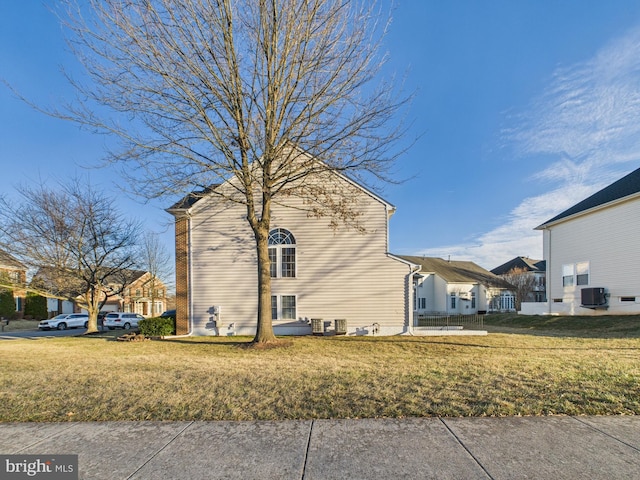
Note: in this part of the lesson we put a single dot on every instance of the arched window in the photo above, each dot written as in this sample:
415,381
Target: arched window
282,253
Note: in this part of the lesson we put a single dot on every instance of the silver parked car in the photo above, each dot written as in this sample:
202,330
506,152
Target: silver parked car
64,321
122,320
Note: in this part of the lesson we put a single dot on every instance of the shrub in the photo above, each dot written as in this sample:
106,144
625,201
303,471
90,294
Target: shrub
35,306
7,304
157,326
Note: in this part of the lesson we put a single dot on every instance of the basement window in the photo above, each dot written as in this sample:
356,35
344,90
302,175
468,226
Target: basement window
627,299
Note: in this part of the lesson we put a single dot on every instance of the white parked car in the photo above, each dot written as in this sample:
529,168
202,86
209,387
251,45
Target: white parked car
122,320
64,321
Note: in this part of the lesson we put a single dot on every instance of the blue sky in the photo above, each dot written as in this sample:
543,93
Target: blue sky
524,108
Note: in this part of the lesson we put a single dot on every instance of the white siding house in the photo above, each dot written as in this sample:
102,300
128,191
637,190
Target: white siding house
592,252
450,287
535,272
319,271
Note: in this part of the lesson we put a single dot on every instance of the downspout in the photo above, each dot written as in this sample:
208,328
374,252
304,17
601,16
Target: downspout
410,294
548,277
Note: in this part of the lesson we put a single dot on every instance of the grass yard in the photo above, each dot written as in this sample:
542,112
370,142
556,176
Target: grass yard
18,325
537,368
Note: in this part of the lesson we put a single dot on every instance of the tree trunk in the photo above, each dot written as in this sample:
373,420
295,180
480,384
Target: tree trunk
264,329
92,310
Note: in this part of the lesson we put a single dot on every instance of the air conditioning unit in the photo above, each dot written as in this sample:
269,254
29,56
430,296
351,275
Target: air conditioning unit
593,297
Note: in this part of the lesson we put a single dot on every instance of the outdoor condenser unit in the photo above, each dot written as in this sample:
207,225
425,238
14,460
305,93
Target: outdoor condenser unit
593,297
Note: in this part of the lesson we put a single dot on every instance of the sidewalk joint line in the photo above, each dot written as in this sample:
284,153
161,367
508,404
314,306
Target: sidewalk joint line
465,447
607,434
306,453
160,450
53,435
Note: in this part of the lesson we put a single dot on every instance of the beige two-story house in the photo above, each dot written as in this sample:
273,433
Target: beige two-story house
319,270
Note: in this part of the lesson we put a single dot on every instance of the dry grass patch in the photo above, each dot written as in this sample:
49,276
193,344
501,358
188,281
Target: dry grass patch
21,325
332,377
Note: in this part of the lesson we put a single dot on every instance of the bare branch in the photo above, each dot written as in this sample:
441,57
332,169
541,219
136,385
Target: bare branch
73,239
243,93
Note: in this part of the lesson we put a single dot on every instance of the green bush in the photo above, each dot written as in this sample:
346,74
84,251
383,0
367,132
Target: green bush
7,304
157,327
35,306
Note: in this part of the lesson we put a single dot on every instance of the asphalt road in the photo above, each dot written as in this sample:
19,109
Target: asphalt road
41,333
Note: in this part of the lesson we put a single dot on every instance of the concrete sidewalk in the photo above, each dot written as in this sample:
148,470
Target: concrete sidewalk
412,448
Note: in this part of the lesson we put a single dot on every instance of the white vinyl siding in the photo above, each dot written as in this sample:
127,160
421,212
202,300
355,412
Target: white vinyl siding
340,272
608,240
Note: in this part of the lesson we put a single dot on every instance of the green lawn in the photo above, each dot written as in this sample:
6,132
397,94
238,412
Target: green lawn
542,366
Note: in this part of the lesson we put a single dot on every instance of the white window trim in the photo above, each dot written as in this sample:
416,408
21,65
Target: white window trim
279,318
278,247
570,271
580,267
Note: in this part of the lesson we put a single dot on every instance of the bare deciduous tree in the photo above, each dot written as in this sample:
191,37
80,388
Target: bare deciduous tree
202,92
75,239
155,259
523,282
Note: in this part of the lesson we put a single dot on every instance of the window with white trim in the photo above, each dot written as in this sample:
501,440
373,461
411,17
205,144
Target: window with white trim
283,307
453,300
567,275
582,273
282,253
575,274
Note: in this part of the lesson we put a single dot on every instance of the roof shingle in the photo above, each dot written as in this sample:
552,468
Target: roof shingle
455,271
626,186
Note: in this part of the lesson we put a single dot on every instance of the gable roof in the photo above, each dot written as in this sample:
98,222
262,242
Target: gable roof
625,187
8,261
525,263
454,271
192,198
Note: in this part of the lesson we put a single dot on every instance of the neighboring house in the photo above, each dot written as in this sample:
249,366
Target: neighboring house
448,287
15,274
592,253
144,295
319,270
535,269
139,294
58,288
